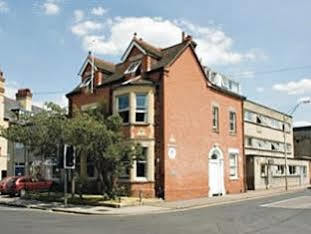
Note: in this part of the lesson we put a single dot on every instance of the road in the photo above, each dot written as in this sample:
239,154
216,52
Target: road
286,214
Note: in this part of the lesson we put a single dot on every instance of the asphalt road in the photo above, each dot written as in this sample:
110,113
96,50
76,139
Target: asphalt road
243,217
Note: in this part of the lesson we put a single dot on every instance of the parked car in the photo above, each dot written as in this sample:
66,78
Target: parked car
26,183
7,183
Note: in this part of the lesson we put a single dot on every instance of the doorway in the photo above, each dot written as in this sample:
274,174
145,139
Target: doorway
216,173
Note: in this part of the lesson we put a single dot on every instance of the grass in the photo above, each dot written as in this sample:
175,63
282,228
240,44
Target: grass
91,200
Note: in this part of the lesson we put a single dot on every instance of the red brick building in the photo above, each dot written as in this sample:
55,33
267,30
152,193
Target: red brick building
191,130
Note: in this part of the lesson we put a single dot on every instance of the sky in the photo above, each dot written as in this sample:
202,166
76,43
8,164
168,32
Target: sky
264,45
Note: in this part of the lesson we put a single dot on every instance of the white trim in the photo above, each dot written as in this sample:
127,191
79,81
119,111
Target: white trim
128,50
233,151
86,62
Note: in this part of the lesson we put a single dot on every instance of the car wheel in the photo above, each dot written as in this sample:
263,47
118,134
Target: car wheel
22,193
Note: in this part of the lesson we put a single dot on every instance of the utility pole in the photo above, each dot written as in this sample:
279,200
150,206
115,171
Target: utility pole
93,64
290,112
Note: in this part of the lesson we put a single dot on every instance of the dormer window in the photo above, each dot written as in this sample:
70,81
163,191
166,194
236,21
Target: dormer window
133,67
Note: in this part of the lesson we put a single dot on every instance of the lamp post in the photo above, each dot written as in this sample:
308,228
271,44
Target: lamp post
306,100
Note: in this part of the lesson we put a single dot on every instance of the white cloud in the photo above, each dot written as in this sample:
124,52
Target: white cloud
294,87
260,89
78,15
301,123
4,8
86,27
99,11
51,7
214,46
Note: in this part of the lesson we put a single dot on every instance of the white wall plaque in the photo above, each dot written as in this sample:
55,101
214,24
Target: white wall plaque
172,152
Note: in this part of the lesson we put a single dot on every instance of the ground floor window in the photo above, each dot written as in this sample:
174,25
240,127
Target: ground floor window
19,169
141,165
292,170
3,174
263,170
233,163
280,170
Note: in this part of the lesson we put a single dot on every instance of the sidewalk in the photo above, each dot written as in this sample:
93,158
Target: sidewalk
158,207
230,198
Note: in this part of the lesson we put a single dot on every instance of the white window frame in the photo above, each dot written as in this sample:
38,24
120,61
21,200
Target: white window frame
132,67
215,118
145,110
145,162
124,109
233,166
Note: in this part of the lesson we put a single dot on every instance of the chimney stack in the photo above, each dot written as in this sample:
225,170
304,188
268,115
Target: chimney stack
2,80
183,35
24,98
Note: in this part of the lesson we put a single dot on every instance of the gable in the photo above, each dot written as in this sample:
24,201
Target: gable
186,51
134,47
87,64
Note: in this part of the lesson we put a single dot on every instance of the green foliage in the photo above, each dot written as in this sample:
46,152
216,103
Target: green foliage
98,136
93,133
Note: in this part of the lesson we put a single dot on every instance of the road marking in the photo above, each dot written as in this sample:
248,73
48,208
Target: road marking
301,202
278,202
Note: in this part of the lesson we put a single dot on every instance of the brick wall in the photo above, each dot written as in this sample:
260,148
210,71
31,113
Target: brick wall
188,126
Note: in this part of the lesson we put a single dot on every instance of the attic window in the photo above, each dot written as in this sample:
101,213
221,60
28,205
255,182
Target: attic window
132,67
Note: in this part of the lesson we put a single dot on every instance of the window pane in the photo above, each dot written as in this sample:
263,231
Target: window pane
140,117
123,102
141,170
215,117
125,116
132,67
141,101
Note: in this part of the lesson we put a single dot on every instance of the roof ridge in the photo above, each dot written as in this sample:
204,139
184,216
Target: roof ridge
102,60
147,44
172,46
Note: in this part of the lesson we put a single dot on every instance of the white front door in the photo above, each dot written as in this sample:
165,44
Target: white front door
216,174
215,186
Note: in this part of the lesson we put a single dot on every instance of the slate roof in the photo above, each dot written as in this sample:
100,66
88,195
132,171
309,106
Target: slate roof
150,49
104,65
164,57
11,104
167,56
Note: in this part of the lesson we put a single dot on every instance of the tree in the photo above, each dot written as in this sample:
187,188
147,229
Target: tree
40,133
99,136
93,134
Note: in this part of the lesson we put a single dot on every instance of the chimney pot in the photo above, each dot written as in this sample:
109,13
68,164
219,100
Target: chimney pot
24,97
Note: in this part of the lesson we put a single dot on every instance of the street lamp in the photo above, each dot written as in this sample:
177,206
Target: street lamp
305,100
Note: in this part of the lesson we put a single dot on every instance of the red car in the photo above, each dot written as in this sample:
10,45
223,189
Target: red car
7,183
26,183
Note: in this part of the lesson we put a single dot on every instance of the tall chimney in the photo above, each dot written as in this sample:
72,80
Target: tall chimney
24,98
